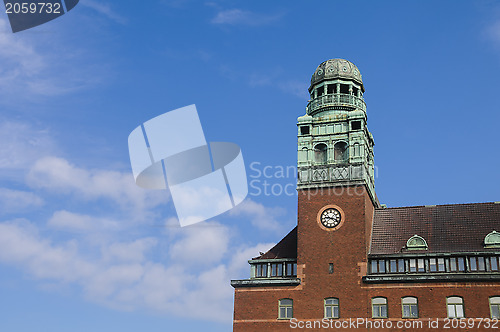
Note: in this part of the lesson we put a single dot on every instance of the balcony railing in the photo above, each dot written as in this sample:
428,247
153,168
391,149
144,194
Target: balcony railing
336,99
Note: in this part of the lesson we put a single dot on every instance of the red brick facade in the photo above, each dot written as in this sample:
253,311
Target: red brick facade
256,308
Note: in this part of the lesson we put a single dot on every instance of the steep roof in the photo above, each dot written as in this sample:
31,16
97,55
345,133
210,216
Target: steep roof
446,228
286,248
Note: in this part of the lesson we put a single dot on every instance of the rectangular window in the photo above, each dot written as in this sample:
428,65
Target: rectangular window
261,270
421,267
481,266
356,125
455,306
332,308
381,266
461,264
495,307
453,264
473,263
394,267
432,265
493,263
379,307
321,90
330,268
330,88
413,265
374,266
290,269
441,267
401,265
409,307
285,309
276,270
304,130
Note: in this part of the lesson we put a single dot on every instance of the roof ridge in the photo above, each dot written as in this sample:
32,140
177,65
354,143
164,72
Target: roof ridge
433,205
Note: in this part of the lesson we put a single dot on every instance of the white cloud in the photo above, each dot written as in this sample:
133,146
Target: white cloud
59,176
134,251
16,200
22,144
21,244
78,222
261,216
27,71
125,277
238,266
244,17
204,243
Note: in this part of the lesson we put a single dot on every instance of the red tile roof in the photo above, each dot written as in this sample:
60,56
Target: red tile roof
446,228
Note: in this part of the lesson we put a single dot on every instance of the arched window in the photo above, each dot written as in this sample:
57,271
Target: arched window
340,151
379,307
320,153
492,240
409,306
455,306
331,307
285,309
416,243
495,307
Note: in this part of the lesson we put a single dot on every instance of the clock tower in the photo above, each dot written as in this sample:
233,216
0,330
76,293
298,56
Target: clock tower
336,193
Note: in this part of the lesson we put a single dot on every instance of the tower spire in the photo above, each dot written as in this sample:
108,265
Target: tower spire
335,148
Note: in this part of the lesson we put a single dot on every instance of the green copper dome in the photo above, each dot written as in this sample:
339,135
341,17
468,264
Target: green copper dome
336,68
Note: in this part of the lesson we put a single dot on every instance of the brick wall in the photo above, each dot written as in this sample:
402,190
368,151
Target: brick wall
256,309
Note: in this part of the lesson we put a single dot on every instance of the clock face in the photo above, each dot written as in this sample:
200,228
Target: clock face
330,218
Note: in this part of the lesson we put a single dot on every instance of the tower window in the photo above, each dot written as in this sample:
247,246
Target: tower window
356,125
304,130
285,309
354,91
321,90
330,89
340,150
320,153
344,88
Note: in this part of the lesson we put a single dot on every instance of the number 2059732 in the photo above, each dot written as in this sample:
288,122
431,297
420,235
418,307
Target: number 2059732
33,8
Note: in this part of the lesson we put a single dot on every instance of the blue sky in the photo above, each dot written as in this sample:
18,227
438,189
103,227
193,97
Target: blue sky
82,248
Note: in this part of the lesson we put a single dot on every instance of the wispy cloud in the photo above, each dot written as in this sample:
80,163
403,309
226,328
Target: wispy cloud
29,69
105,9
57,175
16,200
262,217
125,276
244,17
22,144
70,221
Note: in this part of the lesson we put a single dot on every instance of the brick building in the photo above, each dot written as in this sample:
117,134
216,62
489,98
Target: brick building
351,260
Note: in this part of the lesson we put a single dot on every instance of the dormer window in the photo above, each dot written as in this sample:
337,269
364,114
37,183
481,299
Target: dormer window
416,243
492,240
